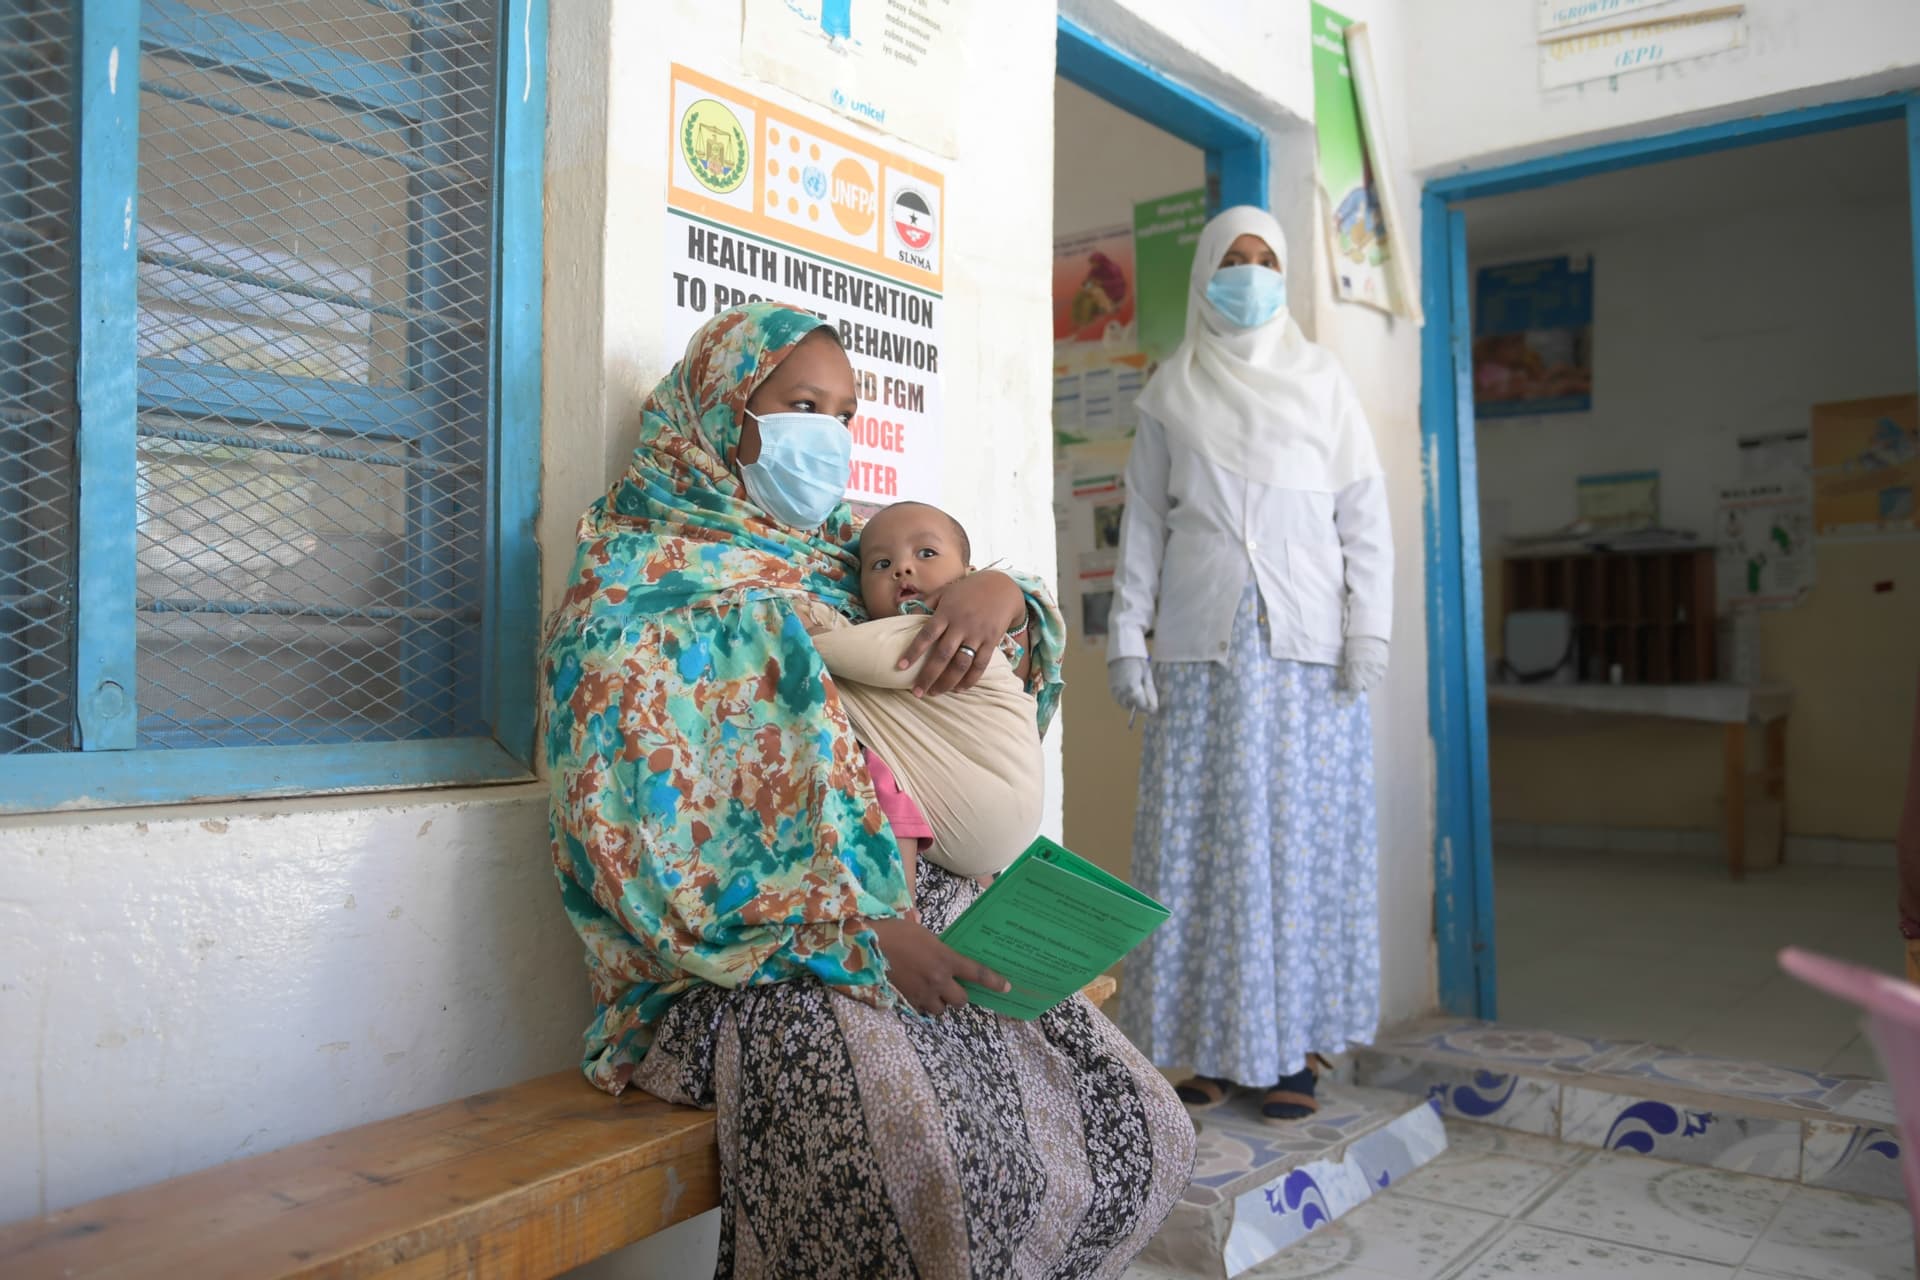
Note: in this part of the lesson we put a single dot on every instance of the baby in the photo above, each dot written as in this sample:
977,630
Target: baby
907,553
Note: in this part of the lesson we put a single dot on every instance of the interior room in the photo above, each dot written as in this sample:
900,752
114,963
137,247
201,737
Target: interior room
1692,337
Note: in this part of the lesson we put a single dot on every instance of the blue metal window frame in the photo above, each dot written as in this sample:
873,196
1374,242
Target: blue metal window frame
1236,150
106,771
1456,648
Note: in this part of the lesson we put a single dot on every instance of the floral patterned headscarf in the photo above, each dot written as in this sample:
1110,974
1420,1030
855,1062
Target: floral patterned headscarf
712,820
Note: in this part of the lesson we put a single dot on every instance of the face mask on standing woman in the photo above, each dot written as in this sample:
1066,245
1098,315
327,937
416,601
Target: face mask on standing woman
1247,296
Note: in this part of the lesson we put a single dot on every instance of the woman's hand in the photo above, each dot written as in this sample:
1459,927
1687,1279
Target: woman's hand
926,970
970,616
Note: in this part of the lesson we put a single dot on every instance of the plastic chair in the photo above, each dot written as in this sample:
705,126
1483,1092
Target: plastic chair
1893,1020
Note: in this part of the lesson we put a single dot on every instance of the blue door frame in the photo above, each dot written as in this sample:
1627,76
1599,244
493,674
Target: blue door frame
1456,650
1236,150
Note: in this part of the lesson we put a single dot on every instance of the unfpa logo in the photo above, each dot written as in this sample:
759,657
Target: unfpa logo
856,203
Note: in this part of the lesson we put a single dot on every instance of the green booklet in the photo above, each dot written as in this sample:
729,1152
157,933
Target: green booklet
1050,924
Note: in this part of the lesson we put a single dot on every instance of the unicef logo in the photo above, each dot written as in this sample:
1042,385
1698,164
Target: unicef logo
815,182
839,98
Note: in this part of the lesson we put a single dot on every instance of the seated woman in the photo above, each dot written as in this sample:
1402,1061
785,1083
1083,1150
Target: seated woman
742,900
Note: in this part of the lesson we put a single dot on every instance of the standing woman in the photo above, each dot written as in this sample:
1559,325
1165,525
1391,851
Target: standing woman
1256,553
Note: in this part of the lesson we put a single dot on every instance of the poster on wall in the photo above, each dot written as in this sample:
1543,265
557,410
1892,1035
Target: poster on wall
1561,15
1616,51
1764,546
765,203
1533,338
1356,232
1089,503
1866,466
898,65
1098,369
1165,233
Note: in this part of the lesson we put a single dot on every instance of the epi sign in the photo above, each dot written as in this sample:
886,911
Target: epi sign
1598,55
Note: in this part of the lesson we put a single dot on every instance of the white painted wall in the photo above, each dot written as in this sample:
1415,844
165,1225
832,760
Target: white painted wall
1475,84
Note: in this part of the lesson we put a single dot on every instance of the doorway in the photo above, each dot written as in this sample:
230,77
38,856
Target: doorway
1699,341
1134,152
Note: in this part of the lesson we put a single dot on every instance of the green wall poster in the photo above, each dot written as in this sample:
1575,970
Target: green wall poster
1356,231
1165,232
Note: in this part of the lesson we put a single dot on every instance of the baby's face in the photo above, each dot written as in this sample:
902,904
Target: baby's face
906,552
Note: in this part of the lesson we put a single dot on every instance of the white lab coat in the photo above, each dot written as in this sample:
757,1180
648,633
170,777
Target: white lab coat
1195,533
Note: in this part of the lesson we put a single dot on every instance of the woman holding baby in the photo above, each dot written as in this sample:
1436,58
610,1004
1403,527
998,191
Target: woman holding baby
753,939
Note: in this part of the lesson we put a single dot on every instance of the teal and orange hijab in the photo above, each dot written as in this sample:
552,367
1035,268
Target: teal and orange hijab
712,819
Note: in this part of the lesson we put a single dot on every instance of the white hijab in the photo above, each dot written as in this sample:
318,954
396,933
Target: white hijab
1264,403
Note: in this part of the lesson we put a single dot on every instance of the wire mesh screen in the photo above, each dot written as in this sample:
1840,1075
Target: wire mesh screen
37,412
314,246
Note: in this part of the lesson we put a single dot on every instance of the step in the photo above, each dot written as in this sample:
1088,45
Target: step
1259,1187
1830,1131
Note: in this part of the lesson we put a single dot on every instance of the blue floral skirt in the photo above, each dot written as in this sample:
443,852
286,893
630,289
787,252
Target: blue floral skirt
1256,827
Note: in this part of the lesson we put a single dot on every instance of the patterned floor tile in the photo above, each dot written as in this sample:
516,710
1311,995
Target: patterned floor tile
1503,1185
1869,1100
1822,1235
1692,1212
1493,1045
1530,1253
1389,1236
1728,1077
1467,1141
1668,1131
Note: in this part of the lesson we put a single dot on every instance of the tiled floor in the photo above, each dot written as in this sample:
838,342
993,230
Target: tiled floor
1666,948
1501,1204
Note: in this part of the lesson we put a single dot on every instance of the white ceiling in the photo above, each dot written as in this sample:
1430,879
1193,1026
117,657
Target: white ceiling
1860,165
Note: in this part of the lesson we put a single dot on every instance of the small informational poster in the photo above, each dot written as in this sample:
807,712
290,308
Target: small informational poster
1165,234
1620,500
1866,466
1533,338
1098,369
1356,231
897,65
1089,505
1764,546
766,204
1562,15
1615,51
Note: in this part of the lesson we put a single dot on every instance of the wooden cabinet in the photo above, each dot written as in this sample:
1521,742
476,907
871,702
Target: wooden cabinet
1651,613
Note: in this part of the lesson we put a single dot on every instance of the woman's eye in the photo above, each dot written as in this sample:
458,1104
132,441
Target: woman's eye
803,406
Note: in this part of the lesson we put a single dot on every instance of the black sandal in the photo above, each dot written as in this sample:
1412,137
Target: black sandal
1293,1097
1203,1093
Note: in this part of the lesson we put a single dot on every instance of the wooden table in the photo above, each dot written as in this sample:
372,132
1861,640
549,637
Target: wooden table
1736,707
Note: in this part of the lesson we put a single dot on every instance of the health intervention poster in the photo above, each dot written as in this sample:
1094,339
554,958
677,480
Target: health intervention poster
1356,232
897,65
766,204
1533,338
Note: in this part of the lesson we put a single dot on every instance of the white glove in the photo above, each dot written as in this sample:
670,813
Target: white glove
1363,665
1131,681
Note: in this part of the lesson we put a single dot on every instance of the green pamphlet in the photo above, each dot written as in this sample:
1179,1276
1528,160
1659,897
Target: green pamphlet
1050,924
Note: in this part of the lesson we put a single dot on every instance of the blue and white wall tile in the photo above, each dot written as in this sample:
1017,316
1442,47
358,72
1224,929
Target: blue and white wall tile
1858,1158
1668,1131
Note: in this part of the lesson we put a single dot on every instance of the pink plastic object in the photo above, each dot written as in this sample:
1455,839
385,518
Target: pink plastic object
1893,1020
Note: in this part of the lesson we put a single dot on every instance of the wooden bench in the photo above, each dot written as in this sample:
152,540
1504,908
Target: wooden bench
528,1182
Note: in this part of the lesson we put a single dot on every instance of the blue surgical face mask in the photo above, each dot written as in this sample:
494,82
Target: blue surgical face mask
1247,296
801,473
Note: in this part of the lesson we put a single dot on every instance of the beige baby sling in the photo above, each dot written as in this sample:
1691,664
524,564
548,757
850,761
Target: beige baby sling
970,760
